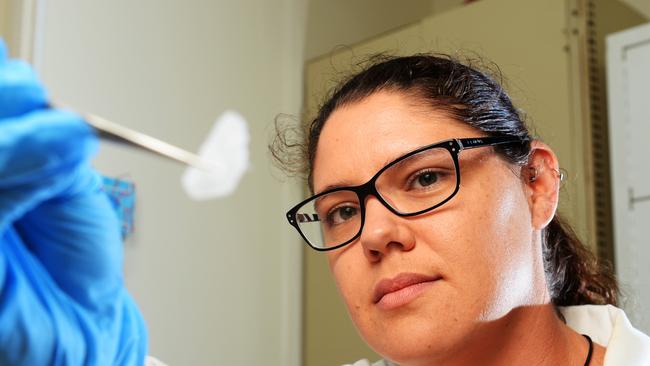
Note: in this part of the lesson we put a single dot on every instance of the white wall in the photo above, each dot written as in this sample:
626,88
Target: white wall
218,282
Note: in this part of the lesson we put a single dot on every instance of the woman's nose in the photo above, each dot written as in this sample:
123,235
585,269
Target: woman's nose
383,231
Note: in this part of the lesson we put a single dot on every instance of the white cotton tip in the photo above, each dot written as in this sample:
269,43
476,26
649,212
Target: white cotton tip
226,148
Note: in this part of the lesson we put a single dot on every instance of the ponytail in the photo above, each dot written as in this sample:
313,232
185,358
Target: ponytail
574,275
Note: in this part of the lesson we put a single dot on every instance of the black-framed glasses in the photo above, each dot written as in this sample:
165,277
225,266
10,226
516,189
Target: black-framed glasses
410,185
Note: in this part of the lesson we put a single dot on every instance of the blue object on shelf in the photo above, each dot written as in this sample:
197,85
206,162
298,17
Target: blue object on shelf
122,195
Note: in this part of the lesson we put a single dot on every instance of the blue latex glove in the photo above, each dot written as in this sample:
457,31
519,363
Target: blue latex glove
62,296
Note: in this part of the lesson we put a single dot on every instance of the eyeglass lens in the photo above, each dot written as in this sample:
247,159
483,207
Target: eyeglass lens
411,185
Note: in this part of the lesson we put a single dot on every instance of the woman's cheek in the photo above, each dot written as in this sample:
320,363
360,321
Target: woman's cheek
509,254
475,244
343,266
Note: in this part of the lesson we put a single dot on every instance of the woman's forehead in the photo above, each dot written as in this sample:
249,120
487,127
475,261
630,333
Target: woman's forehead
360,138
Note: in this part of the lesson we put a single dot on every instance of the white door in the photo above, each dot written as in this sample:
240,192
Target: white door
629,130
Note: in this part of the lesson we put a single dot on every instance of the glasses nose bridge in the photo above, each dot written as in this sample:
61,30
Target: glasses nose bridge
370,189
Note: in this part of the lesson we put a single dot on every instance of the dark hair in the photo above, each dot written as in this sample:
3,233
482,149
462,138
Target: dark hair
472,96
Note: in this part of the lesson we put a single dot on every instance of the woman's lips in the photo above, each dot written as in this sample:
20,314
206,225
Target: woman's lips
400,290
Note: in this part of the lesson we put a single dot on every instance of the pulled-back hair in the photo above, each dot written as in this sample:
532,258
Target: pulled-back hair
470,95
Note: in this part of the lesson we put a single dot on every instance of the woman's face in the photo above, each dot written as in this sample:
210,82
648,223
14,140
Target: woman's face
464,264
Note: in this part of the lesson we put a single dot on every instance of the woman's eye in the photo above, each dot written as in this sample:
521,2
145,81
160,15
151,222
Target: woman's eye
425,179
341,214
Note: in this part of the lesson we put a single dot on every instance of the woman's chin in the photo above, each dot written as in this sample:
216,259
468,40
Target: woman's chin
415,340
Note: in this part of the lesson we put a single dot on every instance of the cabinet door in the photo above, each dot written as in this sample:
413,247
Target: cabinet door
526,40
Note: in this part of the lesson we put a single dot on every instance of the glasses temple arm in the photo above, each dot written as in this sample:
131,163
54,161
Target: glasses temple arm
471,143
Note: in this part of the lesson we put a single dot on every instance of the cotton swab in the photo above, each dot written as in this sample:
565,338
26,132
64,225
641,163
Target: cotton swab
223,157
227,147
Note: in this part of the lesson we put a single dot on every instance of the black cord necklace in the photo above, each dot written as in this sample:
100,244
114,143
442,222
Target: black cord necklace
591,349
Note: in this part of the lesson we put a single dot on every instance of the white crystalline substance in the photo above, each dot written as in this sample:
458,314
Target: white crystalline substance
226,148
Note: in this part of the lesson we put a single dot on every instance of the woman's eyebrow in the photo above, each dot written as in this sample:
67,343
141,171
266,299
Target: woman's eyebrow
339,184
346,183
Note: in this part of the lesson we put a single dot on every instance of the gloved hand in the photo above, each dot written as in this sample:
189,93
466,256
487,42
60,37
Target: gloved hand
62,296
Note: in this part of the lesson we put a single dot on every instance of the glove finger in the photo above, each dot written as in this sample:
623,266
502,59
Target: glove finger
20,89
76,237
42,325
39,153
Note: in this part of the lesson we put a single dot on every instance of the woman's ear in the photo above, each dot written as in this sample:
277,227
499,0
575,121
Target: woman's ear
542,180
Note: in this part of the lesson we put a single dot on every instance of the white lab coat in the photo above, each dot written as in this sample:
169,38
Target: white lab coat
607,325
